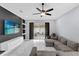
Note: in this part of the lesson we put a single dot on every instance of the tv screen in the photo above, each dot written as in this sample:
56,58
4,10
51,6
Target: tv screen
11,27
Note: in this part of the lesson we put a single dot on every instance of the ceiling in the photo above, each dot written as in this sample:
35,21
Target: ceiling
26,10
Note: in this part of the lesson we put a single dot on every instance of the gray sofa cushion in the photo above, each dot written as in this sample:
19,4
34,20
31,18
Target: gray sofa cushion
60,53
49,42
59,38
73,45
78,48
59,46
46,53
63,40
33,52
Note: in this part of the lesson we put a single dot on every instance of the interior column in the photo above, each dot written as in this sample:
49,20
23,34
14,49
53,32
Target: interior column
47,28
31,30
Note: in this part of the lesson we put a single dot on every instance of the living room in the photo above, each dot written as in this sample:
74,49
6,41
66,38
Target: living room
19,23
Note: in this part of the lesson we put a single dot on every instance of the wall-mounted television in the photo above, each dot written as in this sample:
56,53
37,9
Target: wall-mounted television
11,27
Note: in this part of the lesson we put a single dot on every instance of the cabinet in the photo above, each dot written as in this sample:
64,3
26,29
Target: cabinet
11,44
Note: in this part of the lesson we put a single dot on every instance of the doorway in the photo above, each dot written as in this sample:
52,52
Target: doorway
39,30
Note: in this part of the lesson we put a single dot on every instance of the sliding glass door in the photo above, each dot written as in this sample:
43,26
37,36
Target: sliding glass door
39,31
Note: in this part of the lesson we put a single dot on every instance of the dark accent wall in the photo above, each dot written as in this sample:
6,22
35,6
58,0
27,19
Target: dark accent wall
5,14
24,31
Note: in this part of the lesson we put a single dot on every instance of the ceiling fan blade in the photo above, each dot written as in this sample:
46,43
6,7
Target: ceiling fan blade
49,10
48,14
38,9
36,13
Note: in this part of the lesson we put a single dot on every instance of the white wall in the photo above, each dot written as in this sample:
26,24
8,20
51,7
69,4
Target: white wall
52,26
68,25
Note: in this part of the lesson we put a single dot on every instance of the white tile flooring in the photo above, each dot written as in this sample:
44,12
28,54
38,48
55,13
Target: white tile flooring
25,48
39,37
39,43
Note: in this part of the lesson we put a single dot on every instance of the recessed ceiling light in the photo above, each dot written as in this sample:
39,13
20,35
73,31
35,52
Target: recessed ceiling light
21,11
26,16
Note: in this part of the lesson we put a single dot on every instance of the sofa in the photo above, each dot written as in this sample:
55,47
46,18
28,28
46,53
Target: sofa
34,52
63,46
71,53
57,45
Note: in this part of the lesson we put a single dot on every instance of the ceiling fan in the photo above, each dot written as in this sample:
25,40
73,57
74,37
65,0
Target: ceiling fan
43,11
